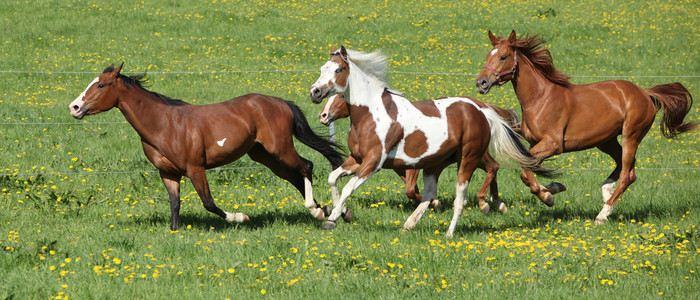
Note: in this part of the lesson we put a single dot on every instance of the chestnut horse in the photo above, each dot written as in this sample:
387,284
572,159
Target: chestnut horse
184,140
336,108
558,116
388,131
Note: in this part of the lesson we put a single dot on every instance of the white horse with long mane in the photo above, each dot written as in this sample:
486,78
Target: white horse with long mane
389,131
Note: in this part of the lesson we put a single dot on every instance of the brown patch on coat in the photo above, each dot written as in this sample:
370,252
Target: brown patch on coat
389,105
416,144
393,136
428,108
341,79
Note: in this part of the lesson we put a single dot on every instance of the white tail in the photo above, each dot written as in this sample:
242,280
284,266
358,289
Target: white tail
506,142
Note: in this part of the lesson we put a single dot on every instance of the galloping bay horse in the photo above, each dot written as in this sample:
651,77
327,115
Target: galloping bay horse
389,131
184,140
558,116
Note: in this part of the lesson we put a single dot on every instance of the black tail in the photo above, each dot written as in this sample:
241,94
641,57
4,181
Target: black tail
537,169
303,132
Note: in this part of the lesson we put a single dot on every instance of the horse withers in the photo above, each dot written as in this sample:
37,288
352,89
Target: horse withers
558,116
184,140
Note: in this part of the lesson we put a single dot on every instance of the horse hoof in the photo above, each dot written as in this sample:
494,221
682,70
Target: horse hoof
599,222
347,215
237,217
329,225
548,199
327,210
318,213
503,208
484,208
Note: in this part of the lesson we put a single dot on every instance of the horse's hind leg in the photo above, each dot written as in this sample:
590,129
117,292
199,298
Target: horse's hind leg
627,177
199,180
410,178
172,185
289,166
491,167
430,179
613,149
464,174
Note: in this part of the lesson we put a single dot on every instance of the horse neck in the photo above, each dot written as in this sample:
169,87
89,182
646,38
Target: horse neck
363,89
530,85
144,112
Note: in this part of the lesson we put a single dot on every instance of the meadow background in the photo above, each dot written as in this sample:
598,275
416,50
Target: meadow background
83,214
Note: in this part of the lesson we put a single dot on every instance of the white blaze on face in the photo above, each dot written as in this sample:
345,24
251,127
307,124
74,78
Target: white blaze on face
494,51
77,104
327,76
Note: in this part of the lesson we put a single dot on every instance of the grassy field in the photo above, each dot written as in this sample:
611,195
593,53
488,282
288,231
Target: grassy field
84,215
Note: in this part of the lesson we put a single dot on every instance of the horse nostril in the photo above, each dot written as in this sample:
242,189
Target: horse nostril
316,92
324,115
76,108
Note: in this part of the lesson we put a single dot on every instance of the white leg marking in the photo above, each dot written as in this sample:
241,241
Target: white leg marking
602,217
608,188
458,207
350,187
236,217
429,193
309,202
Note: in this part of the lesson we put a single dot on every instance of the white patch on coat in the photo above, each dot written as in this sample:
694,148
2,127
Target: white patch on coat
221,142
494,51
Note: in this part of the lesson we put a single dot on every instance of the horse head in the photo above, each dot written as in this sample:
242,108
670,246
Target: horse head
100,95
334,76
501,63
335,108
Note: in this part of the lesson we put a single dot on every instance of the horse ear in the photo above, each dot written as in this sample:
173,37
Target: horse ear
493,38
512,37
334,49
119,69
343,53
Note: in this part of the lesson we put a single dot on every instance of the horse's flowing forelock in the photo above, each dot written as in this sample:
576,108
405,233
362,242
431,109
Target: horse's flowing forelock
374,64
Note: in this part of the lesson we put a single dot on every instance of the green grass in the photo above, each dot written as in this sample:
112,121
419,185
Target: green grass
94,224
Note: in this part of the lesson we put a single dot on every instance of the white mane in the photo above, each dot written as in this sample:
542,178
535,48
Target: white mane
374,64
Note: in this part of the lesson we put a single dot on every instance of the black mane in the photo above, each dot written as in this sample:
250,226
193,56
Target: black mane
139,81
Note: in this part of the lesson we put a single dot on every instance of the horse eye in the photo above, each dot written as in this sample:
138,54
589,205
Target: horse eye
101,85
338,70
503,58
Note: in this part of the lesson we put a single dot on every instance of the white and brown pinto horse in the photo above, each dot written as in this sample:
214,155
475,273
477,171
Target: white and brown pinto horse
558,116
184,140
389,131
337,108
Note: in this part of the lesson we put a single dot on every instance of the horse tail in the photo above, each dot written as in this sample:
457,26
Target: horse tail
506,142
676,102
303,132
509,115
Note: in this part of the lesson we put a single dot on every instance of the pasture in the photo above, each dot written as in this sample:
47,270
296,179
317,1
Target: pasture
83,214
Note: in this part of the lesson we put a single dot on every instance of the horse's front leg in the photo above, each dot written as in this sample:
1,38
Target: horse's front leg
347,168
542,150
172,185
364,171
199,180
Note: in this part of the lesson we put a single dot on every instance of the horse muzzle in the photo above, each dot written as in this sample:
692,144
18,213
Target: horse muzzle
483,84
